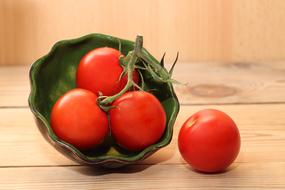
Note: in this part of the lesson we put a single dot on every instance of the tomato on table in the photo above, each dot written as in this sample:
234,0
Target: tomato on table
77,119
99,71
209,141
137,120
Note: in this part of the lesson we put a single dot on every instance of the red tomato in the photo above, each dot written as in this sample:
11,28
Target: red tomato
137,120
77,119
209,141
99,71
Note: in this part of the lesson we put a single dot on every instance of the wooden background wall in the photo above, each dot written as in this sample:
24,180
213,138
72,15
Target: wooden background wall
202,30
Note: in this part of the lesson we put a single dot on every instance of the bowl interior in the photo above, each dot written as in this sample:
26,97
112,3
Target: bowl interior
54,74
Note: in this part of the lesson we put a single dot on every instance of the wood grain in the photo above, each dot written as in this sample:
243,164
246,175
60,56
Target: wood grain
204,30
27,161
14,86
201,30
242,176
261,126
236,83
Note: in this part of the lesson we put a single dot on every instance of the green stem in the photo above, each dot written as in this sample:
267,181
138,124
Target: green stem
157,71
158,68
133,58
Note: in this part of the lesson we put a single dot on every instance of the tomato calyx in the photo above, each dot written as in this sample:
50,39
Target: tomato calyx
139,60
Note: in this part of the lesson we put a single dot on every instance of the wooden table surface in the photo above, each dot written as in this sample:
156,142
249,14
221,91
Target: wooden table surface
253,94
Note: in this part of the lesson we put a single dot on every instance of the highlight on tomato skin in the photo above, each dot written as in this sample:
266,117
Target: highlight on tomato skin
209,141
137,120
99,71
77,119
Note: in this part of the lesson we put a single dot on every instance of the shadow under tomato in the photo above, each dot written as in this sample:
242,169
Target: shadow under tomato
228,169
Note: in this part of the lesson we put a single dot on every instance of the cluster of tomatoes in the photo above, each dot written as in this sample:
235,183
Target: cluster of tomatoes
136,119
209,140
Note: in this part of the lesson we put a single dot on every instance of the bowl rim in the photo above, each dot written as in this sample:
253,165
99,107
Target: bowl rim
34,69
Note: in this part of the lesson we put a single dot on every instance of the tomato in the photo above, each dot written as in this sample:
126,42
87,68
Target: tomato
77,119
99,71
209,141
137,120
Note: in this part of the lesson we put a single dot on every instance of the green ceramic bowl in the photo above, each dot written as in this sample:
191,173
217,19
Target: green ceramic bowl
54,74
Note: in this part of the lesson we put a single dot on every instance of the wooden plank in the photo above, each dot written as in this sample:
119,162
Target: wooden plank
221,30
240,176
14,86
236,83
208,84
22,144
261,126
156,22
